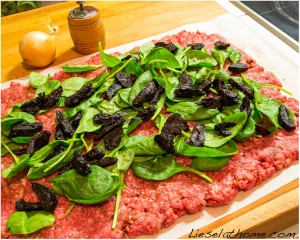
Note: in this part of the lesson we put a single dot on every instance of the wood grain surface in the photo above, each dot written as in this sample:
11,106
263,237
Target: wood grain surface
126,22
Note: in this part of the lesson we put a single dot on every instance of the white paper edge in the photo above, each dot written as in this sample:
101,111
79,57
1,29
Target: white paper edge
283,64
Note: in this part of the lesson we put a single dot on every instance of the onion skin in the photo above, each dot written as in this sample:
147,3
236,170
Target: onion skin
37,49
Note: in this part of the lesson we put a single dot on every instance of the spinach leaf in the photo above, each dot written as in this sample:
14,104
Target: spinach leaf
159,105
133,68
48,87
15,167
160,122
214,139
235,55
162,168
80,68
13,117
200,58
71,85
108,60
203,74
37,80
210,164
144,146
10,144
29,222
247,131
109,106
98,186
21,139
146,48
220,56
87,123
191,111
133,125
183,148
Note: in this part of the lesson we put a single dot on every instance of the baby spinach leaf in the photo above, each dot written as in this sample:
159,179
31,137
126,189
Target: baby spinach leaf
13,117
10,144
87,123
210,164
160,122
220,56
125,158
162,168
204,73
191,111
133,125
200,58
109,106
247,131
71,85
214,139
183,148
37,80
15,167
159,105
80,68
235,55
48,87
107,59
146,48
98,186
29,222
21,139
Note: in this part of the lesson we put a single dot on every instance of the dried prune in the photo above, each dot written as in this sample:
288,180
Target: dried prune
242,87
195,46
82,94
130,56
57,150
262,130
81,165
113,138
284,119
38,141
106,162
170,46
221,45
66,127
157,94
76,120
185,87
198,135
94,154
146,94
107,128
211,102
59,133
206,85
53,98
238,67
228,97
46,196
165,140
219,84
107,119
22,205
25,129
34,105
222,128
245,106
20,151
124,79
185,80
175,124
144,115
112,91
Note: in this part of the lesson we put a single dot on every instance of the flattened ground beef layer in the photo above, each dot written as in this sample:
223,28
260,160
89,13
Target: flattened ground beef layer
148,206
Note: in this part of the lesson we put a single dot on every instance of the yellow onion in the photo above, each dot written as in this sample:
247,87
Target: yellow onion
38,48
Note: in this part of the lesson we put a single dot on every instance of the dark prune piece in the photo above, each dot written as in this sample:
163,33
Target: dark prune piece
81,164
219,84
20,151
106,119
22,205
76,120
185,80
222,128
53,98
170,46
66,168
238,67
165,140
146,94
198,135
113,138
94,154
221,45
66,127
25,129
206,85
124,79
195,46
82,94
175,124
228,97
107,128
284,119
106,162
157,94
189,92
59,133
144,115
34,105
57,150
245,106
46,196
242,87
38,141
262,130
112,91
130,56
211,102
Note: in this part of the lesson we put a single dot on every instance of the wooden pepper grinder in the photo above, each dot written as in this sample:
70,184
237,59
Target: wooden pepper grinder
86,28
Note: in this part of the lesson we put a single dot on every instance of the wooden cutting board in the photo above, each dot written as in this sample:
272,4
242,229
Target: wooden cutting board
126,22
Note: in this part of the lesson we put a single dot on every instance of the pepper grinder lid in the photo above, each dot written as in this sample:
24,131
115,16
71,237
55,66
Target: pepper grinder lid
82,12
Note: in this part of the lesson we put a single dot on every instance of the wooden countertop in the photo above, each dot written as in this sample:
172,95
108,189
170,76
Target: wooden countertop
126,22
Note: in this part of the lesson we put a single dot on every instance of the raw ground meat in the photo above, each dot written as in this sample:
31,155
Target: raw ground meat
147,206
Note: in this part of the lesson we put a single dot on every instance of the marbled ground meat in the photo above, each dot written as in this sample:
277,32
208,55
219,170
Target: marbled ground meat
147,206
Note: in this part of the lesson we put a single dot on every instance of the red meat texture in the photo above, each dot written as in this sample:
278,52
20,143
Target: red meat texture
148,206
